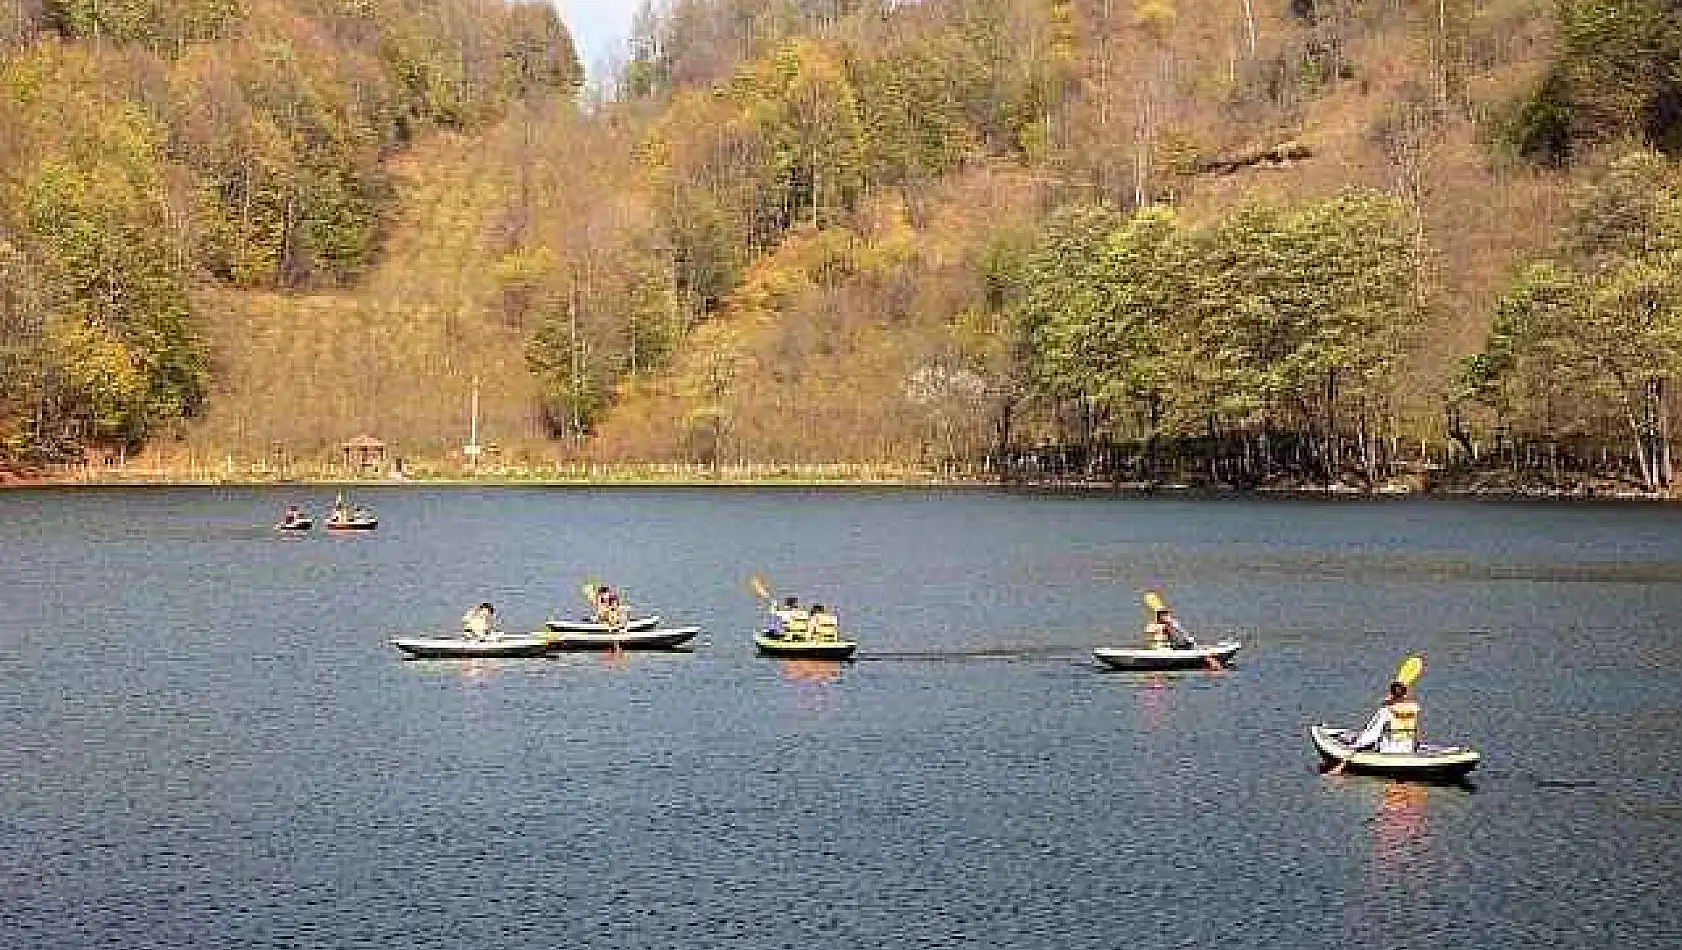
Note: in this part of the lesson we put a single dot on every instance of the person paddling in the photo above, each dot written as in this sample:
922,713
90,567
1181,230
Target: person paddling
479,623
1164,631
791,622
826,627
1394,728
609,610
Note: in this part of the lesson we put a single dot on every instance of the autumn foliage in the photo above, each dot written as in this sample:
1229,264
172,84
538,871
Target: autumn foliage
1314,240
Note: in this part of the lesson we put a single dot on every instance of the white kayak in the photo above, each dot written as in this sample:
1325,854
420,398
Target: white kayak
656,639
592,626
461,648
1429,762
1213,656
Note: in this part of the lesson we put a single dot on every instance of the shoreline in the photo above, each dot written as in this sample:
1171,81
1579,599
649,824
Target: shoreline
154,480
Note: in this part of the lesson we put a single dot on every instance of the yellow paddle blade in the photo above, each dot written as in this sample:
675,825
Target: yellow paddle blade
758,584
1409,672
1154,601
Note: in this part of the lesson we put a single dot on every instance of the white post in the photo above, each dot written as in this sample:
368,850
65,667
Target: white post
473,432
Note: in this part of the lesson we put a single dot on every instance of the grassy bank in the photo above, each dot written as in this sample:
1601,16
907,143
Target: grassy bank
1475,483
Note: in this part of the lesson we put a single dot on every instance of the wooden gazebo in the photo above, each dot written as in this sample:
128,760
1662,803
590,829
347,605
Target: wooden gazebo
364,454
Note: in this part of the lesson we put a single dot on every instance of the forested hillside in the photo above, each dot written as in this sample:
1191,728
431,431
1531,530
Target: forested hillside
1250,242
157,154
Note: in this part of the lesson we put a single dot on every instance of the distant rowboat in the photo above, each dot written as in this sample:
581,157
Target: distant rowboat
352,524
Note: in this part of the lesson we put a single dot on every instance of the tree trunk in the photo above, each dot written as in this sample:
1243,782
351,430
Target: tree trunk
1002,426
1661,425
1638,430
1330,450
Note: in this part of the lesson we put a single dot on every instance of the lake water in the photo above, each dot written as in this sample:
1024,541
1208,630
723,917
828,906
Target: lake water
206,741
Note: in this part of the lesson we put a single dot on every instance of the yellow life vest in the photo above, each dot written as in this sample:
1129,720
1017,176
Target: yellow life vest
796,623
826,626
1404,721
1156,635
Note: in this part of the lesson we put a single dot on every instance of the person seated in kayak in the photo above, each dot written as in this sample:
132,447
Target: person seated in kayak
826,627
478,623
1165,632
1394,728
791,622
609,610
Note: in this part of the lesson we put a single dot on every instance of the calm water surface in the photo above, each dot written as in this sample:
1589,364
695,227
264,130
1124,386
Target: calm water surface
206,741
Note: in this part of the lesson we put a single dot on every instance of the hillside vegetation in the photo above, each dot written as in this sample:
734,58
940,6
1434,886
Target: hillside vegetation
1278,240
155,155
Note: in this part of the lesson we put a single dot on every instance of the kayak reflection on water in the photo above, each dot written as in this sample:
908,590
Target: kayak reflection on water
811,671
1400,839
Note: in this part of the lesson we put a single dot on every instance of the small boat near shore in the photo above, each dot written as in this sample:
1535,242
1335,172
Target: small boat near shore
344,517
462,648
804,648
651,639
593,626
1430,763
296,524
1213,656
353,524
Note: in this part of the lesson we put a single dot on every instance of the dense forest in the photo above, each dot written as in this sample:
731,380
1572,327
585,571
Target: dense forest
1255,242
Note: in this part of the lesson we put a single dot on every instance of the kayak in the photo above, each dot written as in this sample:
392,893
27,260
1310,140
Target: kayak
805,649
456,648
1429,763
357,524
656,639
301,524
591,626
1168,658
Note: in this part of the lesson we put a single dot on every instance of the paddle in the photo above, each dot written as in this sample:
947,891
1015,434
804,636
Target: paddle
763,592
1407,674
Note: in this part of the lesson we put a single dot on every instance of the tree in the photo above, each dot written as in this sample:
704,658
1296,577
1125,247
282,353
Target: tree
1618,73
1598,334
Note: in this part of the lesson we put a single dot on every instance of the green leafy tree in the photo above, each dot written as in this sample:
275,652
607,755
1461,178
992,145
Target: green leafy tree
1618,72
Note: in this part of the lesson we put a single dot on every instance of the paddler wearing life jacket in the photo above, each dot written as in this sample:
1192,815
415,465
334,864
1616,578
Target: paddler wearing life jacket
1164,632
1394,728
609,610
826,627
791,621
477,623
